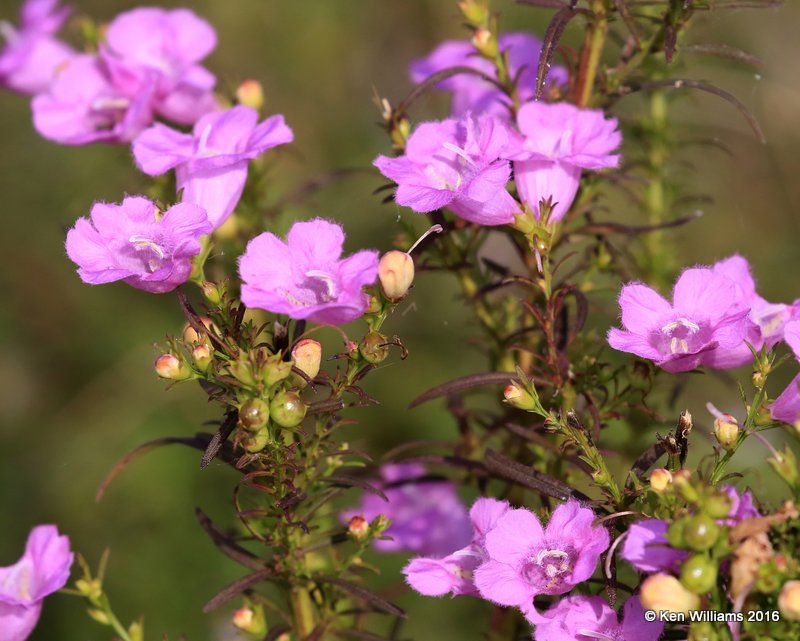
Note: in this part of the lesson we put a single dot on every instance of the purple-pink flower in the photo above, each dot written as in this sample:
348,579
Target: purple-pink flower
579,618
459,164
786,407
471,93
83,106
526,559
305,276
136,243
211,163
31,55
42,570
558,141
427,515
453,574
646,547
706,318
152,46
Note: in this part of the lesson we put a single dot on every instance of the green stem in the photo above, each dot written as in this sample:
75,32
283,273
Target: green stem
303,611
592,50
749,422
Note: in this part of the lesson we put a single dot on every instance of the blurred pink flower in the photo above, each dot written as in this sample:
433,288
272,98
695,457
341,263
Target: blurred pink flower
31,55
786,407
42,570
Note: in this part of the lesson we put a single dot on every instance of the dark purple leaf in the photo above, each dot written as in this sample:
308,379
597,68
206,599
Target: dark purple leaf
348,481
219,438
226,544
552,36
464,383
379,603
237,587
503,467
724,51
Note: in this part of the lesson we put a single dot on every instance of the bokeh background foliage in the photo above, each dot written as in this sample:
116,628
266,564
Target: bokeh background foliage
77,389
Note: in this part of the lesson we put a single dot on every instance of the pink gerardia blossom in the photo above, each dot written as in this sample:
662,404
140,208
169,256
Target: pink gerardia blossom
83,106
42,570
211,163
765,322
526,559
457,164
427,515
152,46
31,55
136,243
558,141
706,316
646,547
473,94
453,573
786,407
305,276
590,618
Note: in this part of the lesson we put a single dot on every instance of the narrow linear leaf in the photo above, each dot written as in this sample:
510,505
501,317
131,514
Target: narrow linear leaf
348,481
724,51
464,383
647,458
505,468
219,438
627,18
683,83
277,631
549,4
434,79
226,544
552,36
237,587
606,228
198,326
359,634
356,590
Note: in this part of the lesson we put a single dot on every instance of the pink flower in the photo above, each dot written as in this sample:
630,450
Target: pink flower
765,321
83,106
453,574
427,515
558,141
579,618
134,242
211,163
706,318
473,94
457,164
646,547
42,570
526,560
152,46
786,407
31,55
305,276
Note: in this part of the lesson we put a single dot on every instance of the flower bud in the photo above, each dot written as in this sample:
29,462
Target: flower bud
374,348
171,367
718,505
726,429
674,533
190,334
99,616
250,619
517,396
92,590
256,441
682,482
699,574
789,600
785,465
663,592
358,528
201,355
660,479
254,413
275,370
136,631
306,356
485,42
396,273
700,532
476,12
212,292
287,409
251,94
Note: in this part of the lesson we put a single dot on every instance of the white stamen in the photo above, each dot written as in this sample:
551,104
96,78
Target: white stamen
594,635
330,285
102,104
436,229
458,151
681,322
202,144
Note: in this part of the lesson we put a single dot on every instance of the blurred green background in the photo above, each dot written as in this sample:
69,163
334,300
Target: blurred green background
77,389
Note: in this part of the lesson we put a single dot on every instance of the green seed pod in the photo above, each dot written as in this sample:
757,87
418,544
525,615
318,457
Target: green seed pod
699,574
675,534
703,632
287,409
374,348
254,414
256,441
718,505
700,532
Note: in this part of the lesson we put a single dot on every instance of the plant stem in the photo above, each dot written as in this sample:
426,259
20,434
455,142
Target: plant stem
303,612
592,50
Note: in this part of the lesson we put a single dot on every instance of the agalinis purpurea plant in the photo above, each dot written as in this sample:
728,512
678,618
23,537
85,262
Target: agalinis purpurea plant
560,537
